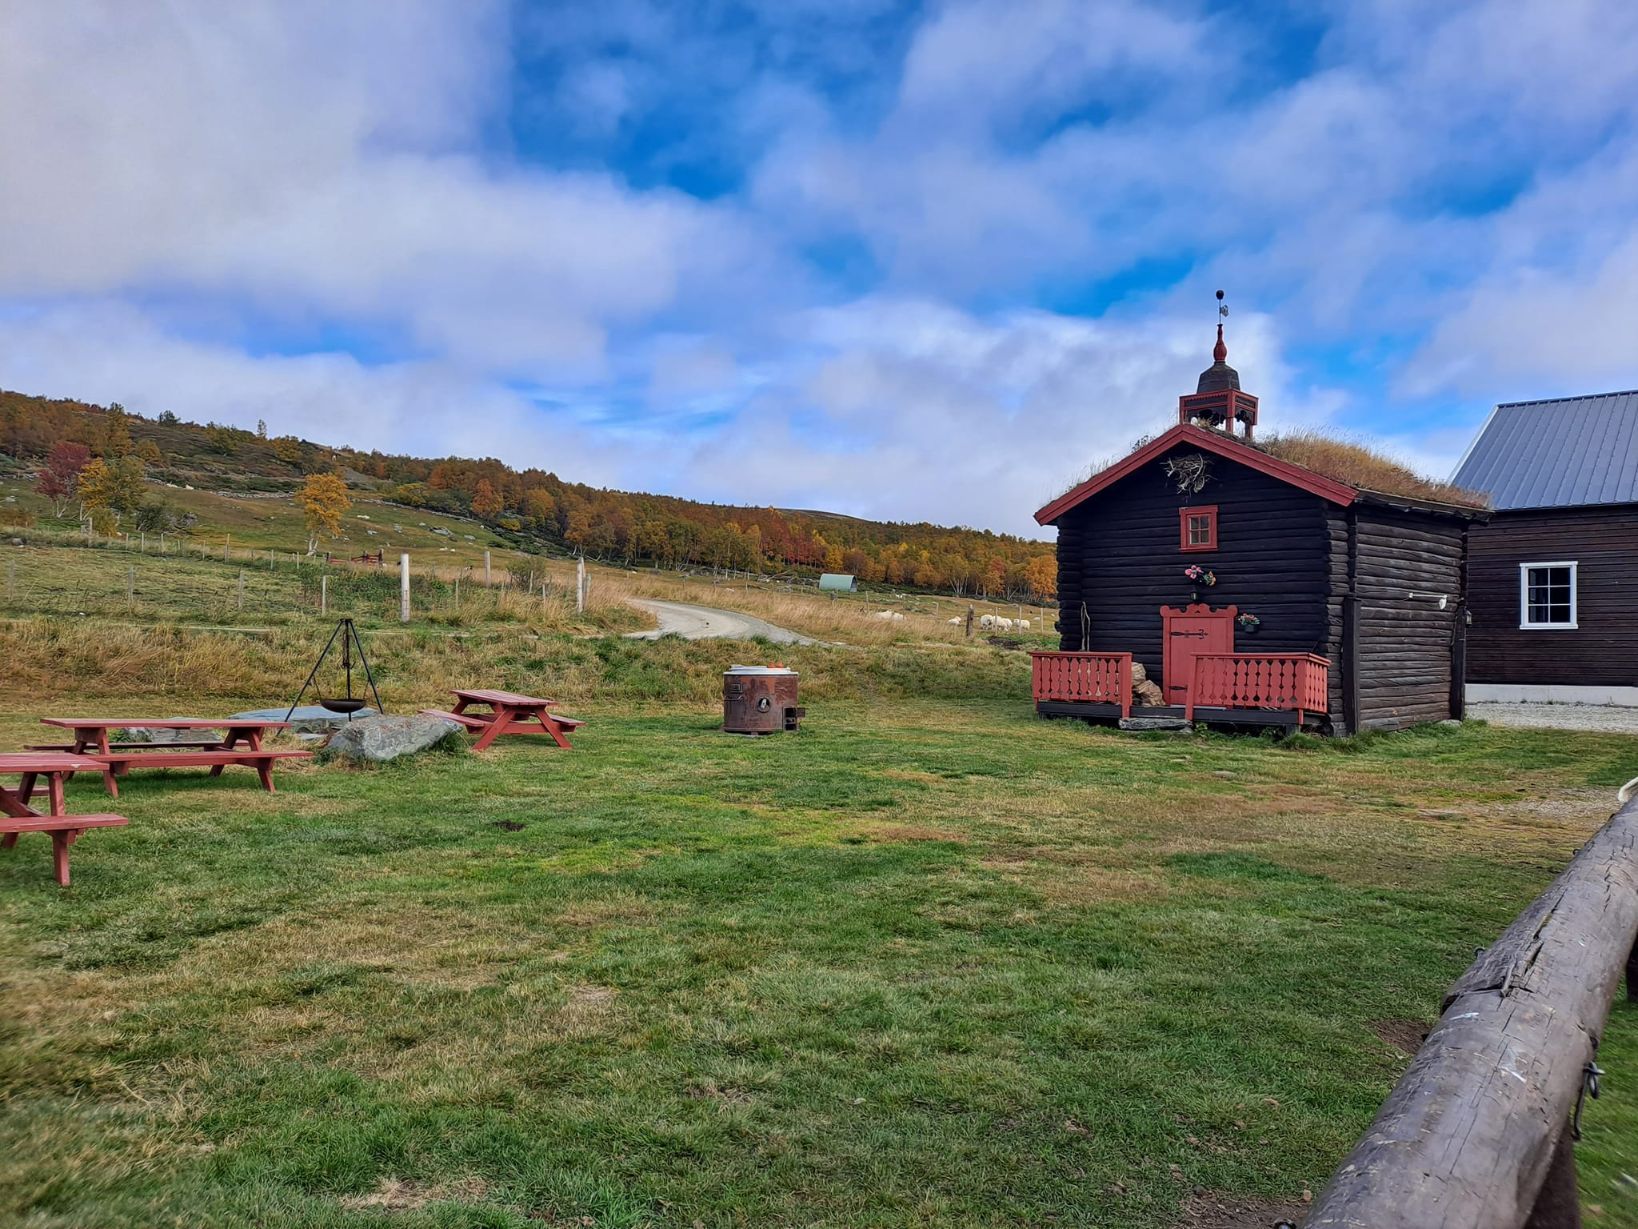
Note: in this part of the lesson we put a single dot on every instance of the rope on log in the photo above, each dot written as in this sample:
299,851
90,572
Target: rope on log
1469,1135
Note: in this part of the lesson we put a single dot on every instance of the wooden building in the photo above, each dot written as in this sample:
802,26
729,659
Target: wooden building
1252,590
1553,578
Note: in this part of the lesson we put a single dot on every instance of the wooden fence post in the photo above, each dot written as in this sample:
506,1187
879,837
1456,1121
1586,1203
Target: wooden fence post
580,585
241,588
486,579
324,595
403,589
130,588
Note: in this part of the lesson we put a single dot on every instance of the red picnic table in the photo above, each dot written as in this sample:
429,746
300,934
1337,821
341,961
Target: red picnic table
509,713
239,743
17,816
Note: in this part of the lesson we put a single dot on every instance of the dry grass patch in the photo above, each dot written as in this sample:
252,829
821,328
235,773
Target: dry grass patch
401,1195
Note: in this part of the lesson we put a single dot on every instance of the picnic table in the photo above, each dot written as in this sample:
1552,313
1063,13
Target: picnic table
239,743
508,713
18,816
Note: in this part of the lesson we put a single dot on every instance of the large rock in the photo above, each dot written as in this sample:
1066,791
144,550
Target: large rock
309,718
1155,723
384,738
142,734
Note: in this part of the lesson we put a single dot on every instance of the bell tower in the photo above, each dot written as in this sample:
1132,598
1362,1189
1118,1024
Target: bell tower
1217,402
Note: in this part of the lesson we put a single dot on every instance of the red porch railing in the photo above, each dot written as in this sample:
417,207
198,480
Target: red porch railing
1283,681
1085,678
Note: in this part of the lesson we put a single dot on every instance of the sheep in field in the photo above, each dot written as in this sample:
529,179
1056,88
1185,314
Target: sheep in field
1004,625
986,621
1024,624
955,622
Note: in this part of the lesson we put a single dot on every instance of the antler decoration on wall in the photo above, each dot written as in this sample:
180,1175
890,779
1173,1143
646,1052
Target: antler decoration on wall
1190,472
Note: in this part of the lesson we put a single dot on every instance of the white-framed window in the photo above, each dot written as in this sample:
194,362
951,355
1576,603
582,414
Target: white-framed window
1547,595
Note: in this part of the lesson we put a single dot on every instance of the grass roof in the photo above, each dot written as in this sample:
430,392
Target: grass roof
1364,468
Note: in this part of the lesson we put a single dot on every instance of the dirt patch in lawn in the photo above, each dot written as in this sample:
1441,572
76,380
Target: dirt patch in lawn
398,1195
1214,1211
1403,1035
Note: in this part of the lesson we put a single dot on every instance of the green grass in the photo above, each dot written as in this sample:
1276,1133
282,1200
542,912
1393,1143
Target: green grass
922,963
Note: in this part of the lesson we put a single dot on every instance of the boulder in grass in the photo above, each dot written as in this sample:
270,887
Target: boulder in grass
384,738
309,718
143,734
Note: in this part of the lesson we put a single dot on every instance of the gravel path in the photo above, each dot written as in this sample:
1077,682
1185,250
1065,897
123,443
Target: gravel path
706,623
1606,718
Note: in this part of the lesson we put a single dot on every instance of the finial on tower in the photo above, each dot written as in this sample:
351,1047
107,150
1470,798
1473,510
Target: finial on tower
1219,352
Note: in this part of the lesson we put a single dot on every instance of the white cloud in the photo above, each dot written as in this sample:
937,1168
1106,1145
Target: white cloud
315,160
104,353
910,409
1458,182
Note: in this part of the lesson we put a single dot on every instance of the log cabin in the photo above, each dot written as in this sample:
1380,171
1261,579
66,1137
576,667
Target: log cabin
1253,588
1553,577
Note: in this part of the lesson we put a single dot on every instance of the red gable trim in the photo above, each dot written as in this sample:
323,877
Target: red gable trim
1210,441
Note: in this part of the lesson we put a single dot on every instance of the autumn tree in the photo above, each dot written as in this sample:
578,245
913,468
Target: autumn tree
486,503
129,476
96,492
59,480
116,432
1041,574
324,501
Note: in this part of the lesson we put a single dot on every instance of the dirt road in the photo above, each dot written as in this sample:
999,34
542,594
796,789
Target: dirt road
705,623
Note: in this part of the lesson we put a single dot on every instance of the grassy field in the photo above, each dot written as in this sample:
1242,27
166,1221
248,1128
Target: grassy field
197,579
929,961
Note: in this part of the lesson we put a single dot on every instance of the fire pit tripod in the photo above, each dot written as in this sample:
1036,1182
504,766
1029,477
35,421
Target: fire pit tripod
347,704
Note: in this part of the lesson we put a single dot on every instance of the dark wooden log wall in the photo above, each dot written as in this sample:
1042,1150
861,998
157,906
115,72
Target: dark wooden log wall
1603,650
1118,553
1405,644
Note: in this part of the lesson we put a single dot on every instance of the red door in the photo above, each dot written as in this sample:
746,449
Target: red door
1187,632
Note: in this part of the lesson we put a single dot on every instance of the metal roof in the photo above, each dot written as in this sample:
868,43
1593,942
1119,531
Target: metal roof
1561,453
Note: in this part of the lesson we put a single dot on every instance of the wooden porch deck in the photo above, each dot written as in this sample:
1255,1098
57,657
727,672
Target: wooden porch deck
1288,690
1250,718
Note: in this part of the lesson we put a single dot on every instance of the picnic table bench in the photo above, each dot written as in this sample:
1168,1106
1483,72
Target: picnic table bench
18,816
508,713
239,744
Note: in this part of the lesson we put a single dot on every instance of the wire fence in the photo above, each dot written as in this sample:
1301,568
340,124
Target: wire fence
166,579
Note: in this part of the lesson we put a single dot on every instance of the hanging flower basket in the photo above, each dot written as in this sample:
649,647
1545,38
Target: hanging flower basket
1248,622
1200,576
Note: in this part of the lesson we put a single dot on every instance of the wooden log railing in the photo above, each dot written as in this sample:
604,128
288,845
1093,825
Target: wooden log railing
1282,681
1083,678
1477,1134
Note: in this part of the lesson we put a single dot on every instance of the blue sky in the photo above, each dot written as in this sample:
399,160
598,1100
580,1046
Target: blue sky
931,261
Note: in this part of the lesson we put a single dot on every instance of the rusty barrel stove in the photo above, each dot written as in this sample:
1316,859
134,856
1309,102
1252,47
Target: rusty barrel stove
759,700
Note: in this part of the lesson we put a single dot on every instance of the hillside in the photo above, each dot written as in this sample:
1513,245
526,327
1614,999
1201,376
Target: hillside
535,507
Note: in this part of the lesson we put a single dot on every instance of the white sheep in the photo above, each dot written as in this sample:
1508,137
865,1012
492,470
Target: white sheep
888,616
1004,625
1024,624
955,622
986,621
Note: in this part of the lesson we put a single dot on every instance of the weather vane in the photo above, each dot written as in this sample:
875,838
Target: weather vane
1222,307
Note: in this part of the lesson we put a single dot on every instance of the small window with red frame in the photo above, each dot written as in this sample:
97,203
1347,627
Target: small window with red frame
1198,528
